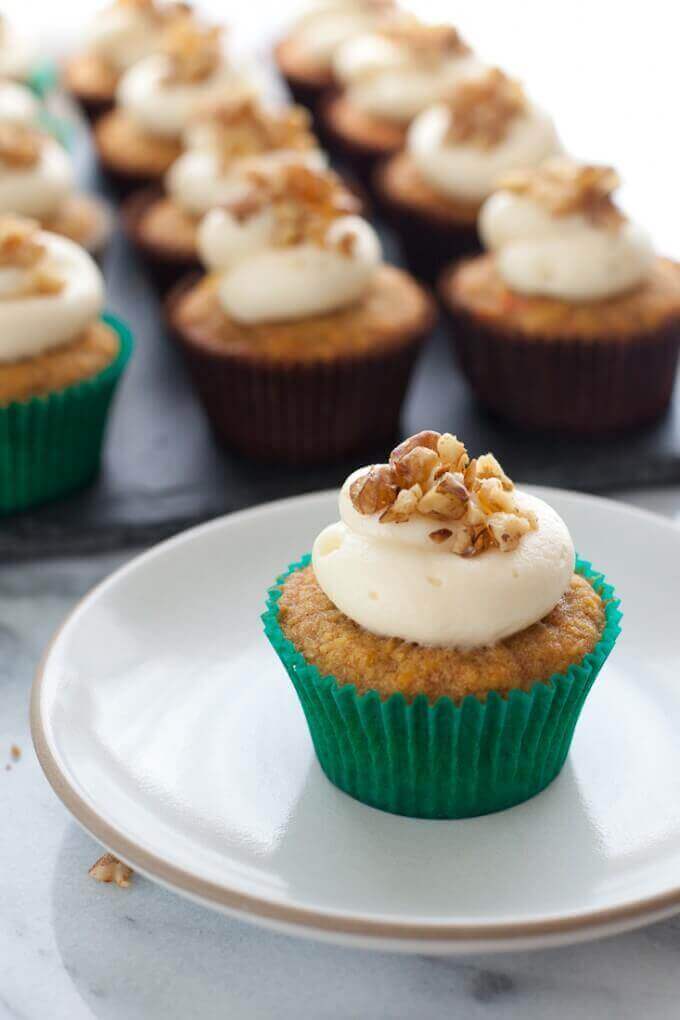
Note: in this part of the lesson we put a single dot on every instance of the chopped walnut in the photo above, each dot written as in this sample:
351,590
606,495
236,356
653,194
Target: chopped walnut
20,145
483,108
109,869
564,187
21,248
431,475
428,44
194,53
15,752
304,203
244,128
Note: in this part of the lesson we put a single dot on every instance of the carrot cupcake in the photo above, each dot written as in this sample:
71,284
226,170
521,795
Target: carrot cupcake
299,340
442,637
387,78
37,180
455,152
305,55
123,33
157,98
60,362
570,322
225,142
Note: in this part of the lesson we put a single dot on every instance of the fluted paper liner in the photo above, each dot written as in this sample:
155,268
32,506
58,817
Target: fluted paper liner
51,445
447,759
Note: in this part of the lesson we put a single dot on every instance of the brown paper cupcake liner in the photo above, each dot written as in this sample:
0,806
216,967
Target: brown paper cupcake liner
92,109
164,266
359,156
299,412
567,385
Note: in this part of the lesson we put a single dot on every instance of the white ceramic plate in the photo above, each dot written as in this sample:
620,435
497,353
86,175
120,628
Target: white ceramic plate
167,726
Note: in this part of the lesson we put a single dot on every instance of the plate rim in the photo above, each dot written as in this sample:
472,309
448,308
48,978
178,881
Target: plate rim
307,920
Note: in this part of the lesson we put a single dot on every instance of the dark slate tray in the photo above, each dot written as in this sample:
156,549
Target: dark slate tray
162,470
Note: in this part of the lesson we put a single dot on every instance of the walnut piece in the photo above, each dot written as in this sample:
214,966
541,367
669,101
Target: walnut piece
21,248
15,752
20,145
193,52
565,187
109,869
427,44
244,128
483,108
431,475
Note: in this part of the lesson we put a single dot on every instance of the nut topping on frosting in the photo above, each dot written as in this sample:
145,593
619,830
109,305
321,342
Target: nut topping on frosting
564,187
245,128
21,249
427,43
432,475
304,203
20,145
194,53
483,107
109,869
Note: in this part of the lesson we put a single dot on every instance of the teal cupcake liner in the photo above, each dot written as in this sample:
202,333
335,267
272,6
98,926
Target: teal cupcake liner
447,759
43,78
58,127
51,445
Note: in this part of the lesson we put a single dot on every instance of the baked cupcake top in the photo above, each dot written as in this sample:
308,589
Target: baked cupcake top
441,550
50,289
161,92
326,24
36,174
128,30
231,138
399,71
16,53
289,246
556,231
485,127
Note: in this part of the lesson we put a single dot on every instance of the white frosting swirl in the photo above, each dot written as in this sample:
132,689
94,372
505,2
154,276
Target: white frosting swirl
393,581
326,26
383,78
468,171
260,282
567,257
18,105
36,323
198,181
122,34
37,190
164,107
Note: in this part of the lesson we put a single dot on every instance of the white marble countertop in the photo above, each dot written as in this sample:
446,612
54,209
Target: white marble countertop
71,949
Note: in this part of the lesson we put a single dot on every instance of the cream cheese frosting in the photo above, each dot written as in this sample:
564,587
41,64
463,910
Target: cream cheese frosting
570,252
285,256
465,165
18,105
392,580
34,320
36,189
327,24
386,75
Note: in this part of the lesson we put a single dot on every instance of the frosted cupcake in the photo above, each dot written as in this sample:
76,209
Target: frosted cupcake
224,144
123,33
386,79
60,361
443,638
157,98
455,153
570,322
37,180
299,339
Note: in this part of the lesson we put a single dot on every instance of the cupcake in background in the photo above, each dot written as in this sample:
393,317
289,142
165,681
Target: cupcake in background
455,153
37,180
305,56
123,33
386,79
570,322
157,99
60,361
224,143
300,341
443,638
17,55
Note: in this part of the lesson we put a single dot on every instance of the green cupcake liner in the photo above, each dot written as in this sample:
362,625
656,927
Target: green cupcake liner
51,445
58,127
443,760
43,78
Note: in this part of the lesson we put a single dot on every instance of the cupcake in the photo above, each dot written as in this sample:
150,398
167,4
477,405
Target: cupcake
60,361
224,143
37,180
123,33
455,152
156,100
299,340
443,636
386,79
304,57
570,322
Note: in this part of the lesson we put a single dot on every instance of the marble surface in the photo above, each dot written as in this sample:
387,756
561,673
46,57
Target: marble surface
71,949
